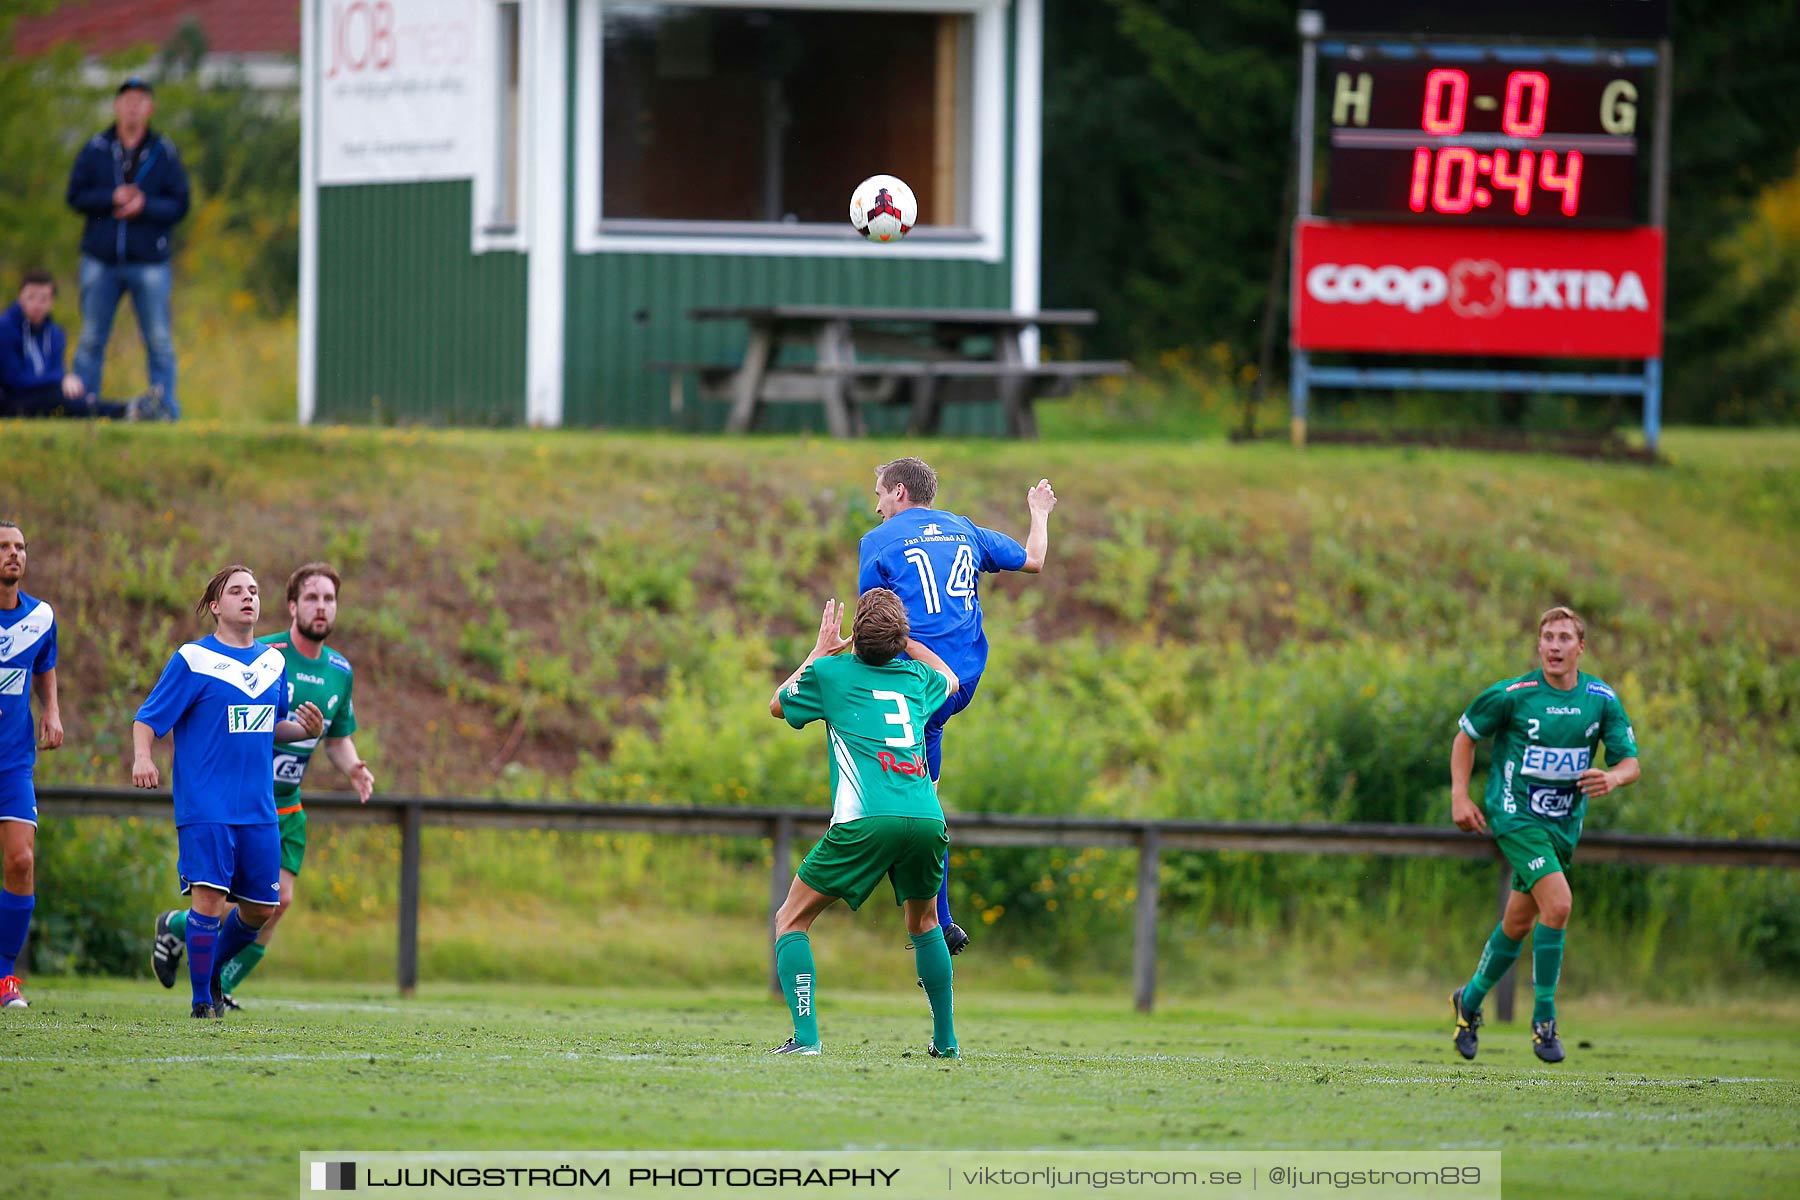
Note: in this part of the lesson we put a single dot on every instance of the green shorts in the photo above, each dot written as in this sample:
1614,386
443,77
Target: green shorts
1535,850
852,858
293,840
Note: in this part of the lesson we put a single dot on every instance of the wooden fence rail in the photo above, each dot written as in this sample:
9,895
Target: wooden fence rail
785,826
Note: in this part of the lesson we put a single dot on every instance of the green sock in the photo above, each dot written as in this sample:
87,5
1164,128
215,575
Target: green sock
933,960
1546,968
242,965
1501,953
178,924
794,963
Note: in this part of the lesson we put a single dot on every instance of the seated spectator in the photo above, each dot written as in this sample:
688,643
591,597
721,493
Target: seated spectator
32,380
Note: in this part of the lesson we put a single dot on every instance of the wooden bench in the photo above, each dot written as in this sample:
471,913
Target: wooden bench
926,384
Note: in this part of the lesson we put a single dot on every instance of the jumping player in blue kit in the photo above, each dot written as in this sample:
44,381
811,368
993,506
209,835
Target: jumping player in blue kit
27,667
933,559
225,698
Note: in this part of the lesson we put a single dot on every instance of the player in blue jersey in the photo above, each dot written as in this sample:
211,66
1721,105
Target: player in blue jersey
933,559
225,698
27,666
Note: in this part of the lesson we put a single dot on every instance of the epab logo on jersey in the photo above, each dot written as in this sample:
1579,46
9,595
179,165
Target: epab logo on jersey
1556,762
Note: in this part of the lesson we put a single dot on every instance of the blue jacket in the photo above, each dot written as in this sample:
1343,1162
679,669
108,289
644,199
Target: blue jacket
99,168
29,358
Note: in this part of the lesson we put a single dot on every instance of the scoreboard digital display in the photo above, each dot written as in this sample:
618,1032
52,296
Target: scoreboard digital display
1422,141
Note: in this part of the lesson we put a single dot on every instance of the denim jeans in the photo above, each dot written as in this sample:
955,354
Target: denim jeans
102,284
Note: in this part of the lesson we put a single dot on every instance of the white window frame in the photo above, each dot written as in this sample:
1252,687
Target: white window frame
983,239
483,235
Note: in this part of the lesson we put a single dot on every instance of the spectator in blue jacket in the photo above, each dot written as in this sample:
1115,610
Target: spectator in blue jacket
130,185
32,380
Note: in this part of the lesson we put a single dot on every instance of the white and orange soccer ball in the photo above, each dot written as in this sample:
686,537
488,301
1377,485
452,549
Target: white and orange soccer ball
883,208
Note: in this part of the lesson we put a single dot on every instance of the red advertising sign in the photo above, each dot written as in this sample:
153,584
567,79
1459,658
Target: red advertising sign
1541,293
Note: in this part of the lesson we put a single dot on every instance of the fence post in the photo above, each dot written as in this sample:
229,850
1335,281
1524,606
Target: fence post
1144,944
781,873
1503,991
411,817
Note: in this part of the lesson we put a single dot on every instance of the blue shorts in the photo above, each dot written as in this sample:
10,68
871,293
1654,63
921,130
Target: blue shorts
18,798
243,861
934,728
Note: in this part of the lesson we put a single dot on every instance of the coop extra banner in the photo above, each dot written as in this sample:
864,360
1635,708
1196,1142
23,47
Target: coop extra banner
395,82
1449,290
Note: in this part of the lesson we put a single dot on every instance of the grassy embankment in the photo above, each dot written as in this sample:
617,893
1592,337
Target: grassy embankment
1230,633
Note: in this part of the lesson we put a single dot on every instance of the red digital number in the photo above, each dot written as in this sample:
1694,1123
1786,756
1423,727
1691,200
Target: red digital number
1448,160
1421,179
1518,182
1437,82
1568,183
1532,123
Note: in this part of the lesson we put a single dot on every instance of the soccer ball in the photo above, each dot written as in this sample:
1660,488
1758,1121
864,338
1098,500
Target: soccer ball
883,209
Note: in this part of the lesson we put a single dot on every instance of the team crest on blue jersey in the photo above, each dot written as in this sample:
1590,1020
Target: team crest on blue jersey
1595,687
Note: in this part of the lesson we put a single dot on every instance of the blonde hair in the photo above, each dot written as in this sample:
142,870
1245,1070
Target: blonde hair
1563,612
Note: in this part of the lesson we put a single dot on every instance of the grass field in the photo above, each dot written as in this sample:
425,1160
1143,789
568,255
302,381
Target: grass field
108,1089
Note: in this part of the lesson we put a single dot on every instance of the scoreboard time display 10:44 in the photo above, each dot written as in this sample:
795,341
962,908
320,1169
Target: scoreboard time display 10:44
1484,143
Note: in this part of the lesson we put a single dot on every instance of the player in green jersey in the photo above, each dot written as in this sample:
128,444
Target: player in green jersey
885,818
1545,726
316,673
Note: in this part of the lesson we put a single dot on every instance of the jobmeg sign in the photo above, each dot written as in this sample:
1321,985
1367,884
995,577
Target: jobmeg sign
1440,290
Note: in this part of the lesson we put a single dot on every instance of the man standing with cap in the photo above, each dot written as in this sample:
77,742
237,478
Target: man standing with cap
130,185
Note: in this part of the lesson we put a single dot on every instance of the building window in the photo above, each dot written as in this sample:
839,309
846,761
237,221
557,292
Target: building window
736,119
499,185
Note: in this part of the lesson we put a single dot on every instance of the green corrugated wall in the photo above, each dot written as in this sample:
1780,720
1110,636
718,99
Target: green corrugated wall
411,325
628,309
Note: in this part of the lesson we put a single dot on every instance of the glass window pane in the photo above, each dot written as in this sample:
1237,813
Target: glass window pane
774,115
506,123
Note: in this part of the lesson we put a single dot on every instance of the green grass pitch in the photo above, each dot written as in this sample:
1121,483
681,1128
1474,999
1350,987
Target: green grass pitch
109,1089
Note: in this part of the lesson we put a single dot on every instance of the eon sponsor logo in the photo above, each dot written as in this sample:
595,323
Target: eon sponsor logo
1477,288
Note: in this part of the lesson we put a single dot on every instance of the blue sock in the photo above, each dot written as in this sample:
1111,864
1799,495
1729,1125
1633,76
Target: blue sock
202,941
15,923
944,900
233,936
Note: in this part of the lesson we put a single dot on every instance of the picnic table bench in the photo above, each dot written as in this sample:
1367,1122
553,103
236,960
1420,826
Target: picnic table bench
925,357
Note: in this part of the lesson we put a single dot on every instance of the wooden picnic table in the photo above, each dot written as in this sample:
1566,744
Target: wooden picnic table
929,356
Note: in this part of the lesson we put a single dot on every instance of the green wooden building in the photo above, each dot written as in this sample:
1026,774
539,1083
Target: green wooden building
510,206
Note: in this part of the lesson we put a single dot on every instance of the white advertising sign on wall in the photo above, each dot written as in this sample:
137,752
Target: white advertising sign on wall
396,87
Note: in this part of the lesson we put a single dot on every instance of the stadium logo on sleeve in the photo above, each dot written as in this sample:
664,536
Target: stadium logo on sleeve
334,1177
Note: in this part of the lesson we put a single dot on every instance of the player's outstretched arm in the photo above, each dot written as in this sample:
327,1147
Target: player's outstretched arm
307,722
50,727
1464,811
342,753
926,655
830,641
143,767
1040,500
1596,782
